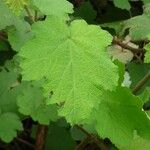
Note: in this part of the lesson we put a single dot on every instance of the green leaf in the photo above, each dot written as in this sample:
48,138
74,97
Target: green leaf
7,18
31,102
119,115
147,54
7,93
138,26
121,71
21,29
10,88
77,134
9,125
137,144
145,95
59,138
59,8
137,72
16,5
117,26
86,12
75,61
19,35
145,1
123,4
146,8
4,45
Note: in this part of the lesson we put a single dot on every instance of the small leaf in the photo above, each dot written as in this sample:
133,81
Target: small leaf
21,29
9,125
59,8
19,35
123,55
7,93
123,4
7,18
31,102
138,26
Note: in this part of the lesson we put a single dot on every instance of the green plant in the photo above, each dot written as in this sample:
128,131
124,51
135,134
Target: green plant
86,80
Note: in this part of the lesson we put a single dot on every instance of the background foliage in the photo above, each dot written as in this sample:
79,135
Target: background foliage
74,74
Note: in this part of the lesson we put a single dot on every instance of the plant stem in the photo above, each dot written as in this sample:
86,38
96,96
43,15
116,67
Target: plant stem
40,137
3,36
83,130
90,138
125,46
29,14
83,143
36,16
25,142
140,84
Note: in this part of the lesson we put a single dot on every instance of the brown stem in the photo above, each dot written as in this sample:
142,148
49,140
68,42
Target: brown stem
83,130
96,140
3,36
145,41
40,137
140,84
29,14
125,46
25,142
36,16
83,143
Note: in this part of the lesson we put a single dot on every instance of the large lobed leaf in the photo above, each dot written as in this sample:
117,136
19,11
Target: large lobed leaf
120,115
138,143
74,60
